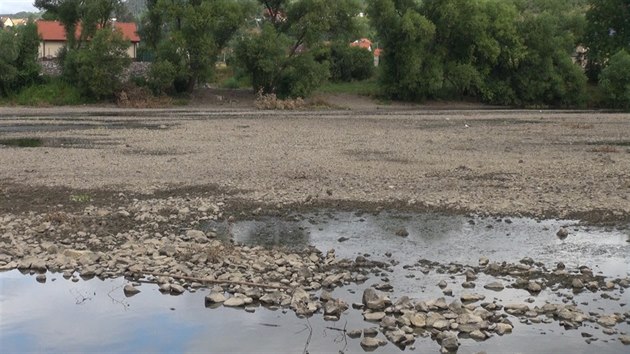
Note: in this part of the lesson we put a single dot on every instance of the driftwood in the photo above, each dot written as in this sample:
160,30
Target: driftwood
220,282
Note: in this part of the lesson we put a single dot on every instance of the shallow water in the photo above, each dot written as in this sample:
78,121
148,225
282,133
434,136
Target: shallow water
95,316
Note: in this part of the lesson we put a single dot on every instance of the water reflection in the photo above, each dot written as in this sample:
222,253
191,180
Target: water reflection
441,238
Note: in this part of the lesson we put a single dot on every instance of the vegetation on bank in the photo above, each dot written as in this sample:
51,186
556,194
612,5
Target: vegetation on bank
524,53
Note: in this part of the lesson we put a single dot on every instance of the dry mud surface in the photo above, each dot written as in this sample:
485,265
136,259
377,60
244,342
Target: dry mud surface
542,164
106,192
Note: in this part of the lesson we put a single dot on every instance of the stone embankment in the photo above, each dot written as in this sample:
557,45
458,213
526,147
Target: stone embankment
166,241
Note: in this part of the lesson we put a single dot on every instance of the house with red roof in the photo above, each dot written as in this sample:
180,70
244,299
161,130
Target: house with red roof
53,37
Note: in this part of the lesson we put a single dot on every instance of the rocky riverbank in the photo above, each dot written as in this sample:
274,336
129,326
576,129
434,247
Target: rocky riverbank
167,242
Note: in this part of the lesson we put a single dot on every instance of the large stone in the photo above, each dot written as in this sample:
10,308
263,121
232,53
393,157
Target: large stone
625,340
215,298
373,316
607,321
374,300
41,278
275,298
396,336
234,302
468,297
130,290
495,286
441,325
503,328
335,307
177,289
516,309
450,344
388,322
418,320
534,287
370,343
477,335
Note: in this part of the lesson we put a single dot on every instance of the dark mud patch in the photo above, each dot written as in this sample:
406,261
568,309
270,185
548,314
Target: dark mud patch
79,125
63,142
377,155
18,198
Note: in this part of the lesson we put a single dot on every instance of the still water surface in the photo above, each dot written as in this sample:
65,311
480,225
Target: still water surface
94,316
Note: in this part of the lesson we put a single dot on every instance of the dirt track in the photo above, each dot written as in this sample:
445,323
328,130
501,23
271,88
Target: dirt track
540,163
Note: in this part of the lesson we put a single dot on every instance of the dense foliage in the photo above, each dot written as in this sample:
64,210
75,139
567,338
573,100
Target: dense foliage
95,54
189,35
615,81
285,54
607,32
18,58
349,63
488,49
508,52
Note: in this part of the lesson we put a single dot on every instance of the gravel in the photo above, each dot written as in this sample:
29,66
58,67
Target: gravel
548,163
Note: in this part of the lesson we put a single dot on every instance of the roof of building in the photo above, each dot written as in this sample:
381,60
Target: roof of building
54,30
362,43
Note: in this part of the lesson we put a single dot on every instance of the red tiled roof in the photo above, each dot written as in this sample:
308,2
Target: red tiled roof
362,43
54,30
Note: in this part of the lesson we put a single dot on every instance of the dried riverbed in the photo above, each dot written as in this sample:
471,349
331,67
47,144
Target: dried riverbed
324,231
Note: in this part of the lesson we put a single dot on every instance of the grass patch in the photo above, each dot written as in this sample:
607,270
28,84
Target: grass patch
364,88
53,93
81,198
22,142
228,78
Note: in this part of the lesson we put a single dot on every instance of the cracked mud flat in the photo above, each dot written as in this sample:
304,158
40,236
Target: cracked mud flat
245,207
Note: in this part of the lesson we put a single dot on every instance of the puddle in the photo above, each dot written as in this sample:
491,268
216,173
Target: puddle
58,127
95,316
441,238
22,142
53,142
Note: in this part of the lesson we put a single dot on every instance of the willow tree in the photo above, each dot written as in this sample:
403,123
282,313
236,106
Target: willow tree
188,36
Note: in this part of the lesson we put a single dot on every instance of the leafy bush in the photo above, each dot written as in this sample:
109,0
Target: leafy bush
264,57
18,58
350,63
615,81
56,92
161,76
97,68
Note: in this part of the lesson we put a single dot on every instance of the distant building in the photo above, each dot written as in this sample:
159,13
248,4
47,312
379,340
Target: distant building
53,37
367,44
6,22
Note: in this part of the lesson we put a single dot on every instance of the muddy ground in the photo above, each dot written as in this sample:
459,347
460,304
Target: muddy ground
535,163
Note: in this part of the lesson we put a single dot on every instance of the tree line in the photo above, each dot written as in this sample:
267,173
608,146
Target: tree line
506,52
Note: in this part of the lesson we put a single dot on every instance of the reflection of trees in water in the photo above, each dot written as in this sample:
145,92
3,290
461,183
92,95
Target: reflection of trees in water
423,226
271,232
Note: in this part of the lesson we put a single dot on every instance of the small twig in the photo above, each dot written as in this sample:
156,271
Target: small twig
116,301
79,298
310,335
220,282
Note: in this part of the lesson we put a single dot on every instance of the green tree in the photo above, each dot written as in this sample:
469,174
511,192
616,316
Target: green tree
486,49
607,32
18,58
615,81
284,55
90,15
97,68
190,34
409,68
349,63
